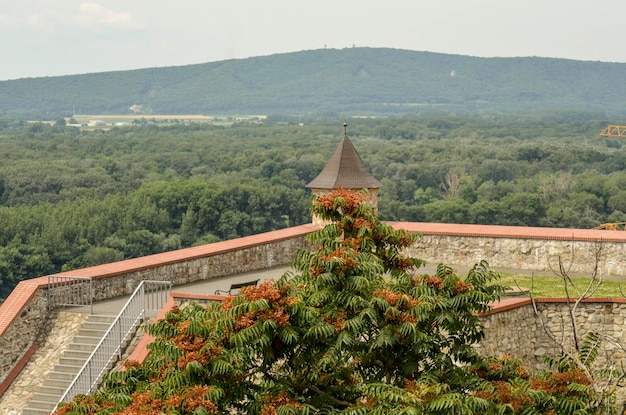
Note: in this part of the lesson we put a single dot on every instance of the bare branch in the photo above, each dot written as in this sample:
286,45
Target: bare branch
616,372
545,328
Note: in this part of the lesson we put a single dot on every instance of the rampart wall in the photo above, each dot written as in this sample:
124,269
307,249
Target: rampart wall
524,333
24,314
24,317
514,327
521,248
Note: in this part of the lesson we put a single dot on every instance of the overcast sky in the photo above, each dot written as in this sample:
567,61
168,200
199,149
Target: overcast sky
62,37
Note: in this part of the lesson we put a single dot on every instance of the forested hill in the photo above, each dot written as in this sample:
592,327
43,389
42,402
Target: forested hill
350,81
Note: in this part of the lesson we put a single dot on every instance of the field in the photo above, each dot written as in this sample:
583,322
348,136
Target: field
91,120
552,286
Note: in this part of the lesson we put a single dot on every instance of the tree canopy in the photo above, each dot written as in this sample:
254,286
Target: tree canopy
72,198
354,329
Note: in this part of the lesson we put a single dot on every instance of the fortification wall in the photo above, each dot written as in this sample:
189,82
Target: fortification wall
23,316
232,262
527,335
526,254
525,248
524,334
26,329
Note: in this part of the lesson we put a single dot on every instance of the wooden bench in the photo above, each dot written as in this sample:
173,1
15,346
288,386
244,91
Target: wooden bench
237,286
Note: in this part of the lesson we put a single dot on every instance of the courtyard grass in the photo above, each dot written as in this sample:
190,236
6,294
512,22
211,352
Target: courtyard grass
553,286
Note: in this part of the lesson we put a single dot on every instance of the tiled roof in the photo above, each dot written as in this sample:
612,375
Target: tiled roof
345,169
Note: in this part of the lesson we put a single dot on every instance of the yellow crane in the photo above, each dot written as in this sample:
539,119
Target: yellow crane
614,131
617,226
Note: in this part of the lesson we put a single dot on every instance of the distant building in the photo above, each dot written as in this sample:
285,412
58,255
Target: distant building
96,123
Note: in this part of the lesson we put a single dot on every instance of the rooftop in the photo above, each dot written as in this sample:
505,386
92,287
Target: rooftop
345,169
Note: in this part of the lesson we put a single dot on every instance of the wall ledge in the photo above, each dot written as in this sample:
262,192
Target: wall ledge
511,232
140,352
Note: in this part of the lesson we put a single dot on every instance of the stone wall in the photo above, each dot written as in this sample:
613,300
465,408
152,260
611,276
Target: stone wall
523,334
27,328
64,327
519,332
200,269
23,316
526,254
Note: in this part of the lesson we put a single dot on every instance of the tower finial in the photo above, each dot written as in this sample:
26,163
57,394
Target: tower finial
345,128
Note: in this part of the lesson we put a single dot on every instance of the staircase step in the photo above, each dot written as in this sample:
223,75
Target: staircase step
35,411
44,401
67,369
58,383
100,318
87,339
96,325
61,376
82,347
49,389
90,333
72,361
77,354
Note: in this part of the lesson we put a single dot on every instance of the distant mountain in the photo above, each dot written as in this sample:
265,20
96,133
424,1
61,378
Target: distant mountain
350,81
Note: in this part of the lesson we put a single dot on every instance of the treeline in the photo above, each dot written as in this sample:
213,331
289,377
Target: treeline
71,198
162,216
556,174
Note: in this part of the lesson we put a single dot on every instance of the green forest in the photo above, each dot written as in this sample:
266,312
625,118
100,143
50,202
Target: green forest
350,81
72,198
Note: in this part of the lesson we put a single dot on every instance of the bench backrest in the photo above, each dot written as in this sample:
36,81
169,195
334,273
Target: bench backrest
237,286
243,284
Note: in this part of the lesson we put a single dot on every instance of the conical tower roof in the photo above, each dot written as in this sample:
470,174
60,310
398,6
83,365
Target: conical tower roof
345,169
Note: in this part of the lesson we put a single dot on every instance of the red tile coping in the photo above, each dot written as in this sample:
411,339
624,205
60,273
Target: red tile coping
198,296
141,351
507,304
186,254
599,300
19,297
17,368
514,232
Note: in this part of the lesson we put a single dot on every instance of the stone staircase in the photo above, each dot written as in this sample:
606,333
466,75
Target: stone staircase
57,382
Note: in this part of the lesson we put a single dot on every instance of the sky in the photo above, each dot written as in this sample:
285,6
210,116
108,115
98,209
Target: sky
65,37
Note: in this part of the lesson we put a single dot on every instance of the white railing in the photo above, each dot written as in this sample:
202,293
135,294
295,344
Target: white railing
149,296
69,291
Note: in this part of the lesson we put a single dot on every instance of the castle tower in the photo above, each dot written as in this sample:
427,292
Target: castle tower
345,169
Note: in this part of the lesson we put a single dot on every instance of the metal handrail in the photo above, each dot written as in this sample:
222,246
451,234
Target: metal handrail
69,291
110,349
